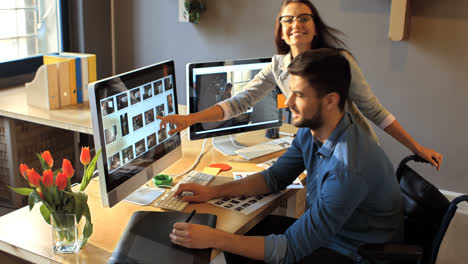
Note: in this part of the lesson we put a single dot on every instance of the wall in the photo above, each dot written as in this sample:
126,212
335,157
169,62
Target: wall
148,31
90,32
422,81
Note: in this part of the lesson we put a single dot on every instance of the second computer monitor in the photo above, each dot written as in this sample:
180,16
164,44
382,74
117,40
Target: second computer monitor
209,83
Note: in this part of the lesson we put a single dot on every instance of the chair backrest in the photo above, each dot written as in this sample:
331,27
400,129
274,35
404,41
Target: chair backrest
424,207
444,226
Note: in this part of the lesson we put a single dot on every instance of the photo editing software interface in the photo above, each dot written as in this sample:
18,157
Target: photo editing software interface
131,137
212,82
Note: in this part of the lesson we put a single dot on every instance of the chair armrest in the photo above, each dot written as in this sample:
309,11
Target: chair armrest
398,252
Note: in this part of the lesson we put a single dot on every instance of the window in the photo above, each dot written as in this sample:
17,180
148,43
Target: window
28,28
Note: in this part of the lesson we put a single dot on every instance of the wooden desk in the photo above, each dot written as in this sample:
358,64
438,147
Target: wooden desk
26,235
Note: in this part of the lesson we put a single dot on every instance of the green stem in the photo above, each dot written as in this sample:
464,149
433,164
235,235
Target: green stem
68,185
84,180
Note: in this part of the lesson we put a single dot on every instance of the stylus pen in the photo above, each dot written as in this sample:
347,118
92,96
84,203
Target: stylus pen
190,216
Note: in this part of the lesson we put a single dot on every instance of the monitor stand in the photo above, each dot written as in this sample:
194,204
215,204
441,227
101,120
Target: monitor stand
144,195
227,145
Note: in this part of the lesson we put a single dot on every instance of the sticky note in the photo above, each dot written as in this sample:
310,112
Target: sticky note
210,170
281,101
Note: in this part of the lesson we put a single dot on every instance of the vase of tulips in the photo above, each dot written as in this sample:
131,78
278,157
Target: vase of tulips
65,210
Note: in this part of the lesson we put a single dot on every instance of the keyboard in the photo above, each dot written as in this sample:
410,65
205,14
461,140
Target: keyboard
171,202
266,148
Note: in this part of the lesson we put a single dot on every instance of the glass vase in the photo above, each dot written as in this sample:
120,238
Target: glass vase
66,234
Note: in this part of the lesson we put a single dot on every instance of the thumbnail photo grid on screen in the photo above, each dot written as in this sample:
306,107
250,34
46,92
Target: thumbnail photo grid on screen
130,122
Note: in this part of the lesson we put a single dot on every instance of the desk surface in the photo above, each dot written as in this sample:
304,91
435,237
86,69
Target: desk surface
26,235
13,104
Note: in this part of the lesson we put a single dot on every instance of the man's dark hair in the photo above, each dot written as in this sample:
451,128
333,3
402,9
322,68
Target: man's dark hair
326,70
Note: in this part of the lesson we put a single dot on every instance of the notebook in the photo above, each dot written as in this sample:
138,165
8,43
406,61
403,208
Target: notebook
146,239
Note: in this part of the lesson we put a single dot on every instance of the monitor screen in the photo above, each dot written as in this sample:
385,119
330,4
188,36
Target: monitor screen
209,83
134,147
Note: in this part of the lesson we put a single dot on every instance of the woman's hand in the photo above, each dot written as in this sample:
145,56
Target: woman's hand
399,133
180,121
193,235
432,156
212,114
200,193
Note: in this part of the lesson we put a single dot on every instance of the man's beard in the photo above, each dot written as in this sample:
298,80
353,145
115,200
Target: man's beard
313,123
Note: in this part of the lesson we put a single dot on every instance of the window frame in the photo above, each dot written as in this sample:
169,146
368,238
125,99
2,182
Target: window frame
19,71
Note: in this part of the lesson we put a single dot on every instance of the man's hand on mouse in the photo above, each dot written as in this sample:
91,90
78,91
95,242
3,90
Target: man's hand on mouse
200,193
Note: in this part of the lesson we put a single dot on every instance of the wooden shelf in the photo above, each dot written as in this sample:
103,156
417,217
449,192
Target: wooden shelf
399,20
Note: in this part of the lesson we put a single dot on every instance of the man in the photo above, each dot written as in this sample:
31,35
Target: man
352,193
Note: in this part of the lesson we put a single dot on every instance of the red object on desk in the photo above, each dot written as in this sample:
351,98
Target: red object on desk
222,166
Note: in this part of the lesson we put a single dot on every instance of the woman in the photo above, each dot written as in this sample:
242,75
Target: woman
300,28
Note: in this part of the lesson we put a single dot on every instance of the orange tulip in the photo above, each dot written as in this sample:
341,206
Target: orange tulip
33,177
67,168
61,181
48,178
48,158
85,157
23,168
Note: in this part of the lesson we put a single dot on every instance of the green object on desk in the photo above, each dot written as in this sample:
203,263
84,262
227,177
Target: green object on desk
162,180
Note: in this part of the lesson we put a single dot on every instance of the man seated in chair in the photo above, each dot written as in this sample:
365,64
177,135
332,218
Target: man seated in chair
353,196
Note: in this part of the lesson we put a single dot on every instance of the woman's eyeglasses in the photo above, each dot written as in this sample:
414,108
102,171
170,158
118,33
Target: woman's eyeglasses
302,19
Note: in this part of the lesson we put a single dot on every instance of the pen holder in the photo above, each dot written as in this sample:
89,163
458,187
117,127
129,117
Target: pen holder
272,132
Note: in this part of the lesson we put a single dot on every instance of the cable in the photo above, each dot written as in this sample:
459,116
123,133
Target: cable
194,164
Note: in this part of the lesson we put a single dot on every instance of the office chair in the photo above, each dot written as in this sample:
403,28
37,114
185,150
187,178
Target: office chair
427,215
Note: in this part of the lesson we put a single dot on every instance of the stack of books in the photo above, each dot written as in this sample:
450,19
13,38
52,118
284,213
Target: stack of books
62,80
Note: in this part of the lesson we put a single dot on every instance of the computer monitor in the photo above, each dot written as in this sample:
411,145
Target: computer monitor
211,82
125,127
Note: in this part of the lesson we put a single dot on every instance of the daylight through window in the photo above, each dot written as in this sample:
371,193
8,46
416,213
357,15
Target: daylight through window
28,28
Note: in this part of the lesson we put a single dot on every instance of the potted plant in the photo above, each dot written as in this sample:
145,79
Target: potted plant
194,8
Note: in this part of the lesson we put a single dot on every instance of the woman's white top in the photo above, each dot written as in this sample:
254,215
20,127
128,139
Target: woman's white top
276,74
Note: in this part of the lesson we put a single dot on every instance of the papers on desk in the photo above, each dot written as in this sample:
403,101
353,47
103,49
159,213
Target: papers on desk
297,184
267,164
245,205
241,175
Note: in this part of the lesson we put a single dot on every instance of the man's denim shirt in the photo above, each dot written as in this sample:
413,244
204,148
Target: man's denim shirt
352,194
